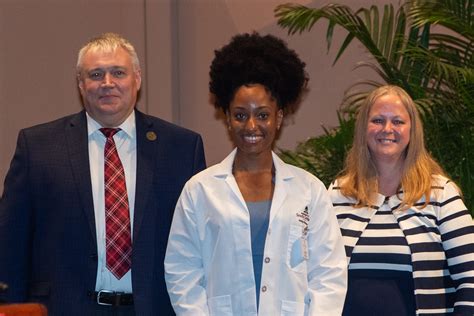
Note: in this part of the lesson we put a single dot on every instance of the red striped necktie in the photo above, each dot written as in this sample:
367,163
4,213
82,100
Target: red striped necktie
117,216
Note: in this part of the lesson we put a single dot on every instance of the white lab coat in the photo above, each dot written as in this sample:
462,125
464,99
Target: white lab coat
208,263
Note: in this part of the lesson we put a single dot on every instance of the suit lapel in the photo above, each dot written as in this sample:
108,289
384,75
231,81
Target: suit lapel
146,153
78,149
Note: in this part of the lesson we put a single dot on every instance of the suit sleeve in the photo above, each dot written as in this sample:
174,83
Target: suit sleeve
184,271
327,266
199,158
15,225
457,233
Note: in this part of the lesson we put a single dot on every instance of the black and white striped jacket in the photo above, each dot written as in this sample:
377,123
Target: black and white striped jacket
441,241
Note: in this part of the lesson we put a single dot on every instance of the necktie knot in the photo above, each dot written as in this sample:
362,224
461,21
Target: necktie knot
109,132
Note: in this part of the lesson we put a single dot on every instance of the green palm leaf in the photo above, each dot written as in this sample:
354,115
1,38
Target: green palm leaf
436,69
455,15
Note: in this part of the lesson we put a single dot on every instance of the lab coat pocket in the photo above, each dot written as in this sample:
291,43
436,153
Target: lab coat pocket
295,254
291,308
220,305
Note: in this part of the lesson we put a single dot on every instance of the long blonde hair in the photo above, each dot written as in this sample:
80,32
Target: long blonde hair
359,179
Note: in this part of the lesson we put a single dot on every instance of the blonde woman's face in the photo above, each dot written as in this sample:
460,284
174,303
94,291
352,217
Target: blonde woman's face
388,129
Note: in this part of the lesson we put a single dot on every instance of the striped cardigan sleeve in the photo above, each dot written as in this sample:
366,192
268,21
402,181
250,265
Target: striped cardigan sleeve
456,227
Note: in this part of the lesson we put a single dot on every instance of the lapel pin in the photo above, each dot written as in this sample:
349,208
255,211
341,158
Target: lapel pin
151,136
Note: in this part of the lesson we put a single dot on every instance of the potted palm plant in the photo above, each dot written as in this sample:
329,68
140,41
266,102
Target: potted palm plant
426,47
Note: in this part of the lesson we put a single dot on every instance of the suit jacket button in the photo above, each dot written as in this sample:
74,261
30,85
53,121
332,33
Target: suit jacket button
94,256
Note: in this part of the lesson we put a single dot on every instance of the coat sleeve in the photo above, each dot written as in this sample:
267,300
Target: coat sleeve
15,222
327,269
199,158
457,234
184,271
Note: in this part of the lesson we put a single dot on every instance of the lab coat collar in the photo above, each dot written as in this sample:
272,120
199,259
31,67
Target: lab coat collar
224,168
283,176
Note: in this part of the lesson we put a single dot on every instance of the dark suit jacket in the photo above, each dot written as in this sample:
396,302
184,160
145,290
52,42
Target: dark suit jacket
48,248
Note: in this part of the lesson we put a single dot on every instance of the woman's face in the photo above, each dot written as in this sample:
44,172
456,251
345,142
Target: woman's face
253,119
388,129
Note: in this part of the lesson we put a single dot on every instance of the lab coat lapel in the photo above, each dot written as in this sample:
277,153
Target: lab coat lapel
283,178
225,170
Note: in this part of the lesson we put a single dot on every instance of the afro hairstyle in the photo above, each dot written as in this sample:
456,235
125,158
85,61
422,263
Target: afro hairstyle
255,59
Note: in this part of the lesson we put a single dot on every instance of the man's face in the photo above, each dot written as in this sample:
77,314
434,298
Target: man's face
109,86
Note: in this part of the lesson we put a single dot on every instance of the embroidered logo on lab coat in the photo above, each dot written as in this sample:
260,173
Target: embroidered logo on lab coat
303,218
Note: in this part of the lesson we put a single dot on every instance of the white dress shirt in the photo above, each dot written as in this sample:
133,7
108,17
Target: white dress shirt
126,143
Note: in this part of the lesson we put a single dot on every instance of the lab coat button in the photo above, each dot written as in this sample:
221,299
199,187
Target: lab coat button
269,231
267,260
264,288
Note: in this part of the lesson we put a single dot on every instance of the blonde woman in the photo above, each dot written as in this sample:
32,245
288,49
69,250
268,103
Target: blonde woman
408,235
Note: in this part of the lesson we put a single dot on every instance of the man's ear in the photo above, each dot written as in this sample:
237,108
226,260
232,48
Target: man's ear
80,83
138,78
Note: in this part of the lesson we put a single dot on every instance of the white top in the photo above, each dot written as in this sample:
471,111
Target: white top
208,262
126,144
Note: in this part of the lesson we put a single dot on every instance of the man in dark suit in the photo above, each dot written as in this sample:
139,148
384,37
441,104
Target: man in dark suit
60,209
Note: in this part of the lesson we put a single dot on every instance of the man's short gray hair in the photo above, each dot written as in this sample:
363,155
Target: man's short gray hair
107,42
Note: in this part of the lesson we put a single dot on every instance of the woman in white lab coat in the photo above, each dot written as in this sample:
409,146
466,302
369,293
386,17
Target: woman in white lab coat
252,234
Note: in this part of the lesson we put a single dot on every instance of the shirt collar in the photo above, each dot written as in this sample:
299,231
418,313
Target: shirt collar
128,126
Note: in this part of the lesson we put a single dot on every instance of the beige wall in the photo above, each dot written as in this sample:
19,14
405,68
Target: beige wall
175,40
